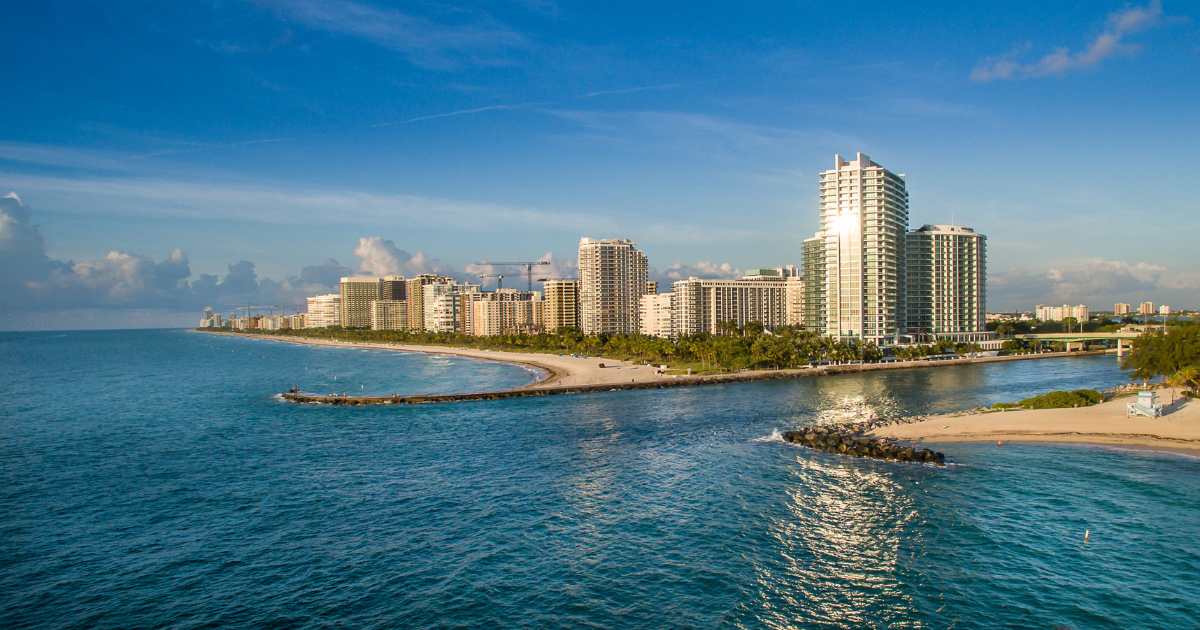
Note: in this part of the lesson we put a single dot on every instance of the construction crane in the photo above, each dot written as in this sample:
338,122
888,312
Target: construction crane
499,279
247,309
527,266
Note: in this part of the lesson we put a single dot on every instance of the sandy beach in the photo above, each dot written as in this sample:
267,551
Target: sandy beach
565,371
1177,431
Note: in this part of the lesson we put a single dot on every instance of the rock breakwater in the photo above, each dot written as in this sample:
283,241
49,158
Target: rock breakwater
850,440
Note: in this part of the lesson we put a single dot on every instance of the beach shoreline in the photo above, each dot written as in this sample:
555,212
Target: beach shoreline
567,374
1099,425
1105,424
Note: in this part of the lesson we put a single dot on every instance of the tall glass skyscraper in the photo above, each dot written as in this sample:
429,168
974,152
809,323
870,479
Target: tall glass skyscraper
864,222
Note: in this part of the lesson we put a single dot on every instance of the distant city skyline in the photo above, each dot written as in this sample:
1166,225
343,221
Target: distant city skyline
169,158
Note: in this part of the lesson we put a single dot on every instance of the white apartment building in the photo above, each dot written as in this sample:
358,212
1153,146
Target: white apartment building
1058,313
357,295
414,294
700,304
1121,308
445,306
864,225
658,315
612,280
389,315
1146,308
504,311
1164,310
324,310
562,304
946,286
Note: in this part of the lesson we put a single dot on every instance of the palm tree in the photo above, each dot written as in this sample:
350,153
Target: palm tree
1188,375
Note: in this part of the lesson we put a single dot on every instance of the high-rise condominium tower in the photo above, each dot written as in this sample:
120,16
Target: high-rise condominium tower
562,304
947,279
612,280
357,295
864,222
813,303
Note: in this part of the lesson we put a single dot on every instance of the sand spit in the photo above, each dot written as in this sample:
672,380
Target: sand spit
1177,431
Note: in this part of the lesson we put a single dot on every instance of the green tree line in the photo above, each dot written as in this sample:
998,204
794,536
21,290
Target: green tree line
748,347
1174,356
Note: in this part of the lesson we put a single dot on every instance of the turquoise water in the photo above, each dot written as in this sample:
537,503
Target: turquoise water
153,479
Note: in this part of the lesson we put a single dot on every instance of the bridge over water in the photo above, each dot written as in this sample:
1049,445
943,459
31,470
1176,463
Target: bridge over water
1123,339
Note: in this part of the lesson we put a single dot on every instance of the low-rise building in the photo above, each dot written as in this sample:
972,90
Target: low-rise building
1058,313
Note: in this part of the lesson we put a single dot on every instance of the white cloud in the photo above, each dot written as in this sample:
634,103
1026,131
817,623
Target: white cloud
1097,283
1108,44
702,269
479,39
32,282
382,258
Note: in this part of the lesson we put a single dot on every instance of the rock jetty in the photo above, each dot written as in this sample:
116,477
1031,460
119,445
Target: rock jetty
850,440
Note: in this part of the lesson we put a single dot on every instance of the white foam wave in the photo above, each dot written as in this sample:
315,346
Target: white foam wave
775,436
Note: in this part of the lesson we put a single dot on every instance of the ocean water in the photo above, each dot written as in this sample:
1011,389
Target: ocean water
153,479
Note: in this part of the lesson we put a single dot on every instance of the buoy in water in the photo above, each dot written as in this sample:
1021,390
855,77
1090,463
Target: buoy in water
999,443
1086,534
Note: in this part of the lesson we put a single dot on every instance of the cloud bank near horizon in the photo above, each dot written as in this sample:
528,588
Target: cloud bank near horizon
34,287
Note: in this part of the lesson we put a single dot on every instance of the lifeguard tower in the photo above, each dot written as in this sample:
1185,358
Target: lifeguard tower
1146,405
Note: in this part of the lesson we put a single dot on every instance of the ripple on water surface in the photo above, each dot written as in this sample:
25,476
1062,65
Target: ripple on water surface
152,480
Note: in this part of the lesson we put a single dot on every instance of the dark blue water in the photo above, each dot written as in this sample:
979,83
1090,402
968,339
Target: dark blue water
151,479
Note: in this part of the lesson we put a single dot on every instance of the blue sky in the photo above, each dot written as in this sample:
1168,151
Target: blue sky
418,136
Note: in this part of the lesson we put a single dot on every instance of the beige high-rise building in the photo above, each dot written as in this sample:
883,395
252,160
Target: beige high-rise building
389,315
1146,308
612,281
562,304
506,311
357,295
658,315
445,306
701,304
323,310
415,296
1121,308
946,271
864,223
794,301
